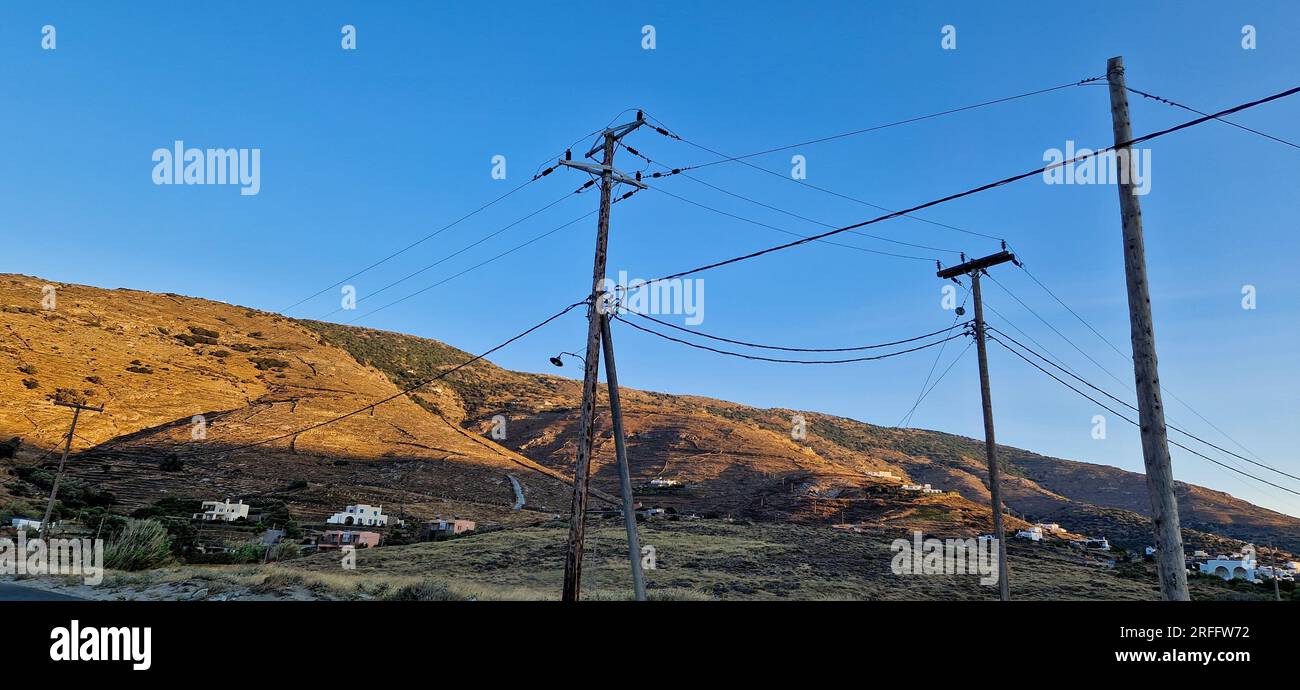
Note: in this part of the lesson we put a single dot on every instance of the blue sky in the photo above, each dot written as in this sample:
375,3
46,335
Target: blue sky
364,151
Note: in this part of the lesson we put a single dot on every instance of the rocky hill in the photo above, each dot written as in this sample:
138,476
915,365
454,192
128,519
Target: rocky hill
190,385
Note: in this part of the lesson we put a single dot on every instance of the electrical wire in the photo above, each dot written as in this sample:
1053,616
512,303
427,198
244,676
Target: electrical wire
476,266
1135,409
404,391
1137,424
787,361
460,251
792,349
897,123
981,188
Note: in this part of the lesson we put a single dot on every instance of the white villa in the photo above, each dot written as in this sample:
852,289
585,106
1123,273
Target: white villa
360,514
664,483
222,511
882,474
922,488
1050,527
1034,533
1234,567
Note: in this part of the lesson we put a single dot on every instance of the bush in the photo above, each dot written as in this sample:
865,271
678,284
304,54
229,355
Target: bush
204,333
10,448
143,544
425,590
265,363
284,551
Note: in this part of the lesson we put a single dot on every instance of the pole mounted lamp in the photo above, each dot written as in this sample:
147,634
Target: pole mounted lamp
559,362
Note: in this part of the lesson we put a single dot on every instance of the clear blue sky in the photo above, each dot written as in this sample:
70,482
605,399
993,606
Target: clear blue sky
364,151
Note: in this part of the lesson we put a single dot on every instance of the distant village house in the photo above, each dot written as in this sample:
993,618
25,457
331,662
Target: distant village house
360,514
222,511
438,530
339,538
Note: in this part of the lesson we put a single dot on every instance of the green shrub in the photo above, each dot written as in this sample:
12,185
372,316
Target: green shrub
143,544
265,363
284,551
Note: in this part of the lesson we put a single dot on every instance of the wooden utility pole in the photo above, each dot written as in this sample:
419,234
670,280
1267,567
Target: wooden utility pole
54,490
586,430
1151,413
624,472
974,268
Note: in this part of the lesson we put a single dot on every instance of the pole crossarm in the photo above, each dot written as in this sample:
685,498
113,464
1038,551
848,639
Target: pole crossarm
977,264
617,132
595,169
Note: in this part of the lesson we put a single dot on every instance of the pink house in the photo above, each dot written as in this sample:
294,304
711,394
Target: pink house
338,538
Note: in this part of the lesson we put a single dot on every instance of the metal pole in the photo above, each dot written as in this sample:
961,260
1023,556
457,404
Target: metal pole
1151,414
624,472
990,444
586,432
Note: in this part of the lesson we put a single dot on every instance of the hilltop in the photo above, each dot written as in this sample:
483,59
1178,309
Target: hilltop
156,361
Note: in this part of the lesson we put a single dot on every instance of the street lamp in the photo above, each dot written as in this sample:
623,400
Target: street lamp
557,361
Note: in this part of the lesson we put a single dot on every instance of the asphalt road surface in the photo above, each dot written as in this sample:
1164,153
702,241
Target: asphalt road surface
15,592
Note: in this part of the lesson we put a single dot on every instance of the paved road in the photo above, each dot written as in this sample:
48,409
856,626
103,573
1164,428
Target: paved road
15,592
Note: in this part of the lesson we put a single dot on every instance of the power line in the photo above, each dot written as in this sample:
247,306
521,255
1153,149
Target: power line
405,391
896,123
787,361
1119,352
462,250
476,266
1167,101
793,349
1134,408
981,188
817,222
805,183
787,232
1135,423
925,392
422,240
1059,363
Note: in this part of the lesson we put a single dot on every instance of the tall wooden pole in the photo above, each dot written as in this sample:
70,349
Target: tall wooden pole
1151,413
67,447
586,430
624,472
990,443
974,268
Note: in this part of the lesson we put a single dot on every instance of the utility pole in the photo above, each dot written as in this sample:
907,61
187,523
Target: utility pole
586,430
974,268
1151,413
54,490
624,472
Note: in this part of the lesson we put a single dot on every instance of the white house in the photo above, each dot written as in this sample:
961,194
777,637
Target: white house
360,514
25,523
222,511
921,488
1235,567
882,474
1050,527
1101,544
664,483
1034,533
